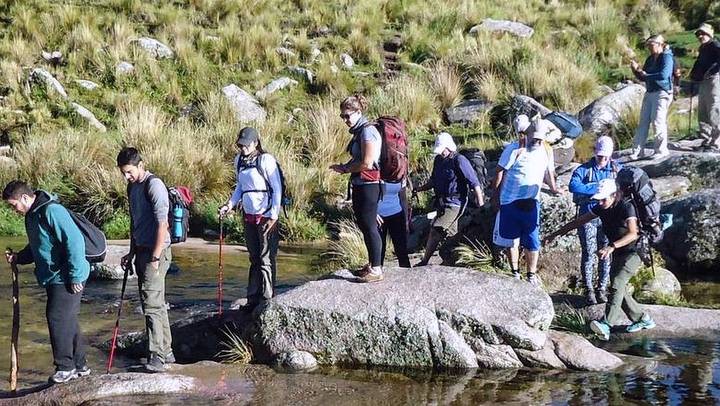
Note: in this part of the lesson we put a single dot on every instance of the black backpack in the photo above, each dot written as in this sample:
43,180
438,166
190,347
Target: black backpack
636,185
180,198
95,241
285,199
477,161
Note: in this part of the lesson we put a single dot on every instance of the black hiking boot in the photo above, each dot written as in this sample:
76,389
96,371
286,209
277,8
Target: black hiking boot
590,297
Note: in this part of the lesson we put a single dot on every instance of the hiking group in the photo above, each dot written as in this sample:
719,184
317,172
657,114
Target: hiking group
617,210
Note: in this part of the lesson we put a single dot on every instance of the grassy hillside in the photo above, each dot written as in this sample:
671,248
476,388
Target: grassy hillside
174,111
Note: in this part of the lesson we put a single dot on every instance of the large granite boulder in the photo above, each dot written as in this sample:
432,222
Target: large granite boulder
467,111
503,26
693,241
154,48
246,107
608,110
663,284
47,80
521,104
703,169
274,86
430,316
88,116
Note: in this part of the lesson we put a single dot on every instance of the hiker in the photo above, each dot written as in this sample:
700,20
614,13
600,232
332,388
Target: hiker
365,185
150,249
392,218
259,191
657,74
583,185
452,178
620,224
706,72
523,166
57,248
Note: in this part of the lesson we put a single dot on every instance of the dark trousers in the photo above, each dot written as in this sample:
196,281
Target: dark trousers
365,203
263,265
68,344
396,225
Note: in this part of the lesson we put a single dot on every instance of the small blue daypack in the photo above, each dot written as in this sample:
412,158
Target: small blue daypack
566,123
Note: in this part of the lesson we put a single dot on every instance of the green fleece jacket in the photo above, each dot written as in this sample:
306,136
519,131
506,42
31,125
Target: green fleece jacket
55,243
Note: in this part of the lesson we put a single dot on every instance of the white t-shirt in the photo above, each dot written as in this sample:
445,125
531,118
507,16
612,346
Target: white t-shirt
249,178
390,203
524,171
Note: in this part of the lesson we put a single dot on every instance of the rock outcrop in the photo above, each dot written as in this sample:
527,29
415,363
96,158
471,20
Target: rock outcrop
46,79
274,86
155,48
246,107
512,27
89,117
606,111
663,284
467,111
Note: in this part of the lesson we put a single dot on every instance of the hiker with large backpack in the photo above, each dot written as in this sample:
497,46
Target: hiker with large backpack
583,185
523,167
621,225
258,193
452,179
56,246
150,240
365,149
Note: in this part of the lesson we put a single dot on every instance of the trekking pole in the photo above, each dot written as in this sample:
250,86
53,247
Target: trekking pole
15,323
220,269
691,108
126,268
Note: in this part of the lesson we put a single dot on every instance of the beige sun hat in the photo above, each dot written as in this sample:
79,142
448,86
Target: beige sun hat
705,29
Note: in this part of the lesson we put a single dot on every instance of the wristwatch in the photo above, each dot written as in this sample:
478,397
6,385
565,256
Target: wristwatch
613,246
154,259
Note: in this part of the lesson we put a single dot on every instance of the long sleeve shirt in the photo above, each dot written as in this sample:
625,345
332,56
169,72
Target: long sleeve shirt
708,61
585,181
259,186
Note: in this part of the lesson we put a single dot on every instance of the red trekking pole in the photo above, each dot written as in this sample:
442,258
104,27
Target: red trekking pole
15,324
220,269
126,268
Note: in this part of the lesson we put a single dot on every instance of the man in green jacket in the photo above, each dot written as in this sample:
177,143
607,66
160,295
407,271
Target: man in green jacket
57,247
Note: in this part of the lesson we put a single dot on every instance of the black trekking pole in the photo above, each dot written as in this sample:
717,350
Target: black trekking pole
221,268
692,84
126,268
15,323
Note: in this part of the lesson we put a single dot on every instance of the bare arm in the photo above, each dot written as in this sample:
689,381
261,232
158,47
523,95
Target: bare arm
571,225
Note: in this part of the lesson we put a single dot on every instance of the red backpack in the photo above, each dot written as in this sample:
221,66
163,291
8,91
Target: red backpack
394,157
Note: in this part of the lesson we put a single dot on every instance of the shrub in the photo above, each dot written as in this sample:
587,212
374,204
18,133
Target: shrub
118,227
348,250
569,319
298,226
235,349
11,223
446,84
475,255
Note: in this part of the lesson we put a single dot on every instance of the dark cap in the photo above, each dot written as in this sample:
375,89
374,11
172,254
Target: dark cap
247,136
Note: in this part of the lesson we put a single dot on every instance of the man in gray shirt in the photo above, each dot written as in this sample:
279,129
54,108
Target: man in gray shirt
150,246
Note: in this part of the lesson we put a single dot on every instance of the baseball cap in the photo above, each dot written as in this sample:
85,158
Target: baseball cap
604,146
444,140
542,128
247,136
521,123
606,188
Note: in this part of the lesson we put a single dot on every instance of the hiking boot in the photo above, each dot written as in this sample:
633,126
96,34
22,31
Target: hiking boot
155,364
645,323
83,371
590,297
371,277
170,358
63,376
516,275
601,295
534,279
601,329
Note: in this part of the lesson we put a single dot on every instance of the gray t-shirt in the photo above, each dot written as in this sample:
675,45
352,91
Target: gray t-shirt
146,214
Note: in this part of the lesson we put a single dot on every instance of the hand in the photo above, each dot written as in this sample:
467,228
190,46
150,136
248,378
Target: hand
379,220
605,252
126,261
224,210
339,168
634,65
76,288
269,226
11,258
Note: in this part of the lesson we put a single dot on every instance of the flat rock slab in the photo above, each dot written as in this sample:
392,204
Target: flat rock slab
423,317
578,353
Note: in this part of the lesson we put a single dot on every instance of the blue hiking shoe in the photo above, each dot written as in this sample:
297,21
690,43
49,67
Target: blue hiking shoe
601,329
645,323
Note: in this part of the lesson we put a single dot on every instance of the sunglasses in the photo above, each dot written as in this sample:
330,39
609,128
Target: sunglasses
346,116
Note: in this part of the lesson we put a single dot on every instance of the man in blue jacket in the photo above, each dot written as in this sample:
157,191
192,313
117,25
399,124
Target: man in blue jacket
57,247
452,178
583,185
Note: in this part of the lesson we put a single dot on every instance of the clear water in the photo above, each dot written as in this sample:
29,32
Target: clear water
672,371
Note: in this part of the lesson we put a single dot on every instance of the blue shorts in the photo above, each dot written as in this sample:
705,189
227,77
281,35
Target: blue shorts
521,219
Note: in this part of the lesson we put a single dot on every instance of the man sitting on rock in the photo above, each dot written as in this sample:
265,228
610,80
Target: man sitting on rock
452,178
583,185
525,164
620,225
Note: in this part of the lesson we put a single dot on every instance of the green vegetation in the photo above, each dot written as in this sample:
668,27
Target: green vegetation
569,319
11,224
235,349
476,255
118,227
174,112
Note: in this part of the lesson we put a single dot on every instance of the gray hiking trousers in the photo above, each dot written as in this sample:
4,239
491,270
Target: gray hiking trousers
709,110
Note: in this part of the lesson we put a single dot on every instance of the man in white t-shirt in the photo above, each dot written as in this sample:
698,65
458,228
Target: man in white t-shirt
524,165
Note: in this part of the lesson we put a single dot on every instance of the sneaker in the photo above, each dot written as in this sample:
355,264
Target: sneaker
83,371
170,358
63,376
371,277
601,329
645,323
516,275
362,272
534,279
155,364
590,297
601,295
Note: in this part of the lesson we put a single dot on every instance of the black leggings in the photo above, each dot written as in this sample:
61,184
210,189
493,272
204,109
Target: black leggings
67,342
397,226
365,203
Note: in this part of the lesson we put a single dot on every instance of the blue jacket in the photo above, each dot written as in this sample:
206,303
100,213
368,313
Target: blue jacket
658,71
451,189
585,180
55,243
